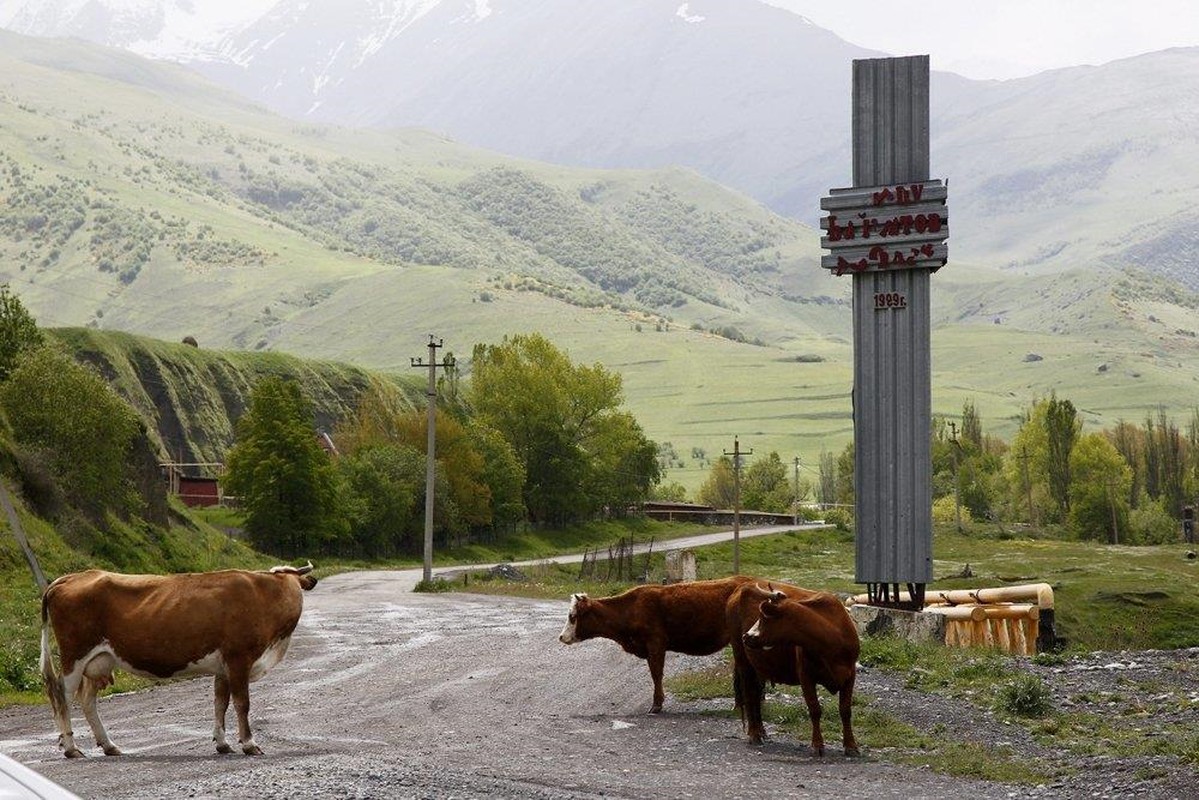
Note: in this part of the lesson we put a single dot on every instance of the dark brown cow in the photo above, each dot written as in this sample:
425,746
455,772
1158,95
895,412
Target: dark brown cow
647,621
785,634
233,624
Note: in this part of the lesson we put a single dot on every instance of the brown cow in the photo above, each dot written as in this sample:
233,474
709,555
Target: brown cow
649,620
785,634
232,624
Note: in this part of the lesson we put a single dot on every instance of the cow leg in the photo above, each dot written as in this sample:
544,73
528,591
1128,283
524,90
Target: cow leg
61,690
846,707
87,699
221,706
814,711
657,660
751,689
239,686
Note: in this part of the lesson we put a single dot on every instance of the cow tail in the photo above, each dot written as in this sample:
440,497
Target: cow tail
51,676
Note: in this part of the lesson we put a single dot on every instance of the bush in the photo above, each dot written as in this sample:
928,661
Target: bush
1025,696
19,668
841,517
435,584
1150,523
944,511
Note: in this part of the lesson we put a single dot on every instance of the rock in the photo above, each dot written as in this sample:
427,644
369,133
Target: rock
1032,357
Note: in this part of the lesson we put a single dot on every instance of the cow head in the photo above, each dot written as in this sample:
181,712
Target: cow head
571,632
307,581
764,632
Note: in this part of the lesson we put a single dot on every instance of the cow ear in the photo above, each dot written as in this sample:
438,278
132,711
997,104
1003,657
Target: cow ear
769,608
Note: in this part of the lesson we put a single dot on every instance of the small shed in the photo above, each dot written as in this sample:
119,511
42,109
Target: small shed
197,491
194,483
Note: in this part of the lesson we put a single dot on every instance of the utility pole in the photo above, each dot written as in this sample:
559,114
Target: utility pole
430,453
736,454
1024,456
957,503
796,490
1111,502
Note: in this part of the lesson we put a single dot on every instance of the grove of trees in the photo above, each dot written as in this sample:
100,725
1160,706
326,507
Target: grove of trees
533,437
1127,484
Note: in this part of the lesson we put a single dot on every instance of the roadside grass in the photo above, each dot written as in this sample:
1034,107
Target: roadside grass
884,736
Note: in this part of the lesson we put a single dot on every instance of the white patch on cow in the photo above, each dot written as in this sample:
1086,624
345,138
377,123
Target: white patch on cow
273,655
211,664
756,630
568,631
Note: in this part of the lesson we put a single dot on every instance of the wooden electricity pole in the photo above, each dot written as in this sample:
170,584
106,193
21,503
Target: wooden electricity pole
736,454
1024,456
796,492
957,502
430,453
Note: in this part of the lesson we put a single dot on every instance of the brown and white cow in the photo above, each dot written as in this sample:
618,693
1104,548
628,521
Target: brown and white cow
648,620
785,634
232,624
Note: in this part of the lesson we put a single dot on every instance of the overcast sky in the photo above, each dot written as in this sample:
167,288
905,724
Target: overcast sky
1008,38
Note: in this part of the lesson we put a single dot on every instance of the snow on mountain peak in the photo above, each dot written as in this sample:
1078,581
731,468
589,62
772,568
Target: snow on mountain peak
684,13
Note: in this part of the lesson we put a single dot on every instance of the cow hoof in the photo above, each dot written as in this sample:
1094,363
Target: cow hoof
224,749
852,752
113,750
74,752
655,709
252,750
818,751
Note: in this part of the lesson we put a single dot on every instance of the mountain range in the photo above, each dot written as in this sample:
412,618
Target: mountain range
138,195
1073,167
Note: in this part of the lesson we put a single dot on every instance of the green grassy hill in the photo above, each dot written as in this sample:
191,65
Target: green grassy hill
135,197
192,398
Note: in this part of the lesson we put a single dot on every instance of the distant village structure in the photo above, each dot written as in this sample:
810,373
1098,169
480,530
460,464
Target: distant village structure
888,232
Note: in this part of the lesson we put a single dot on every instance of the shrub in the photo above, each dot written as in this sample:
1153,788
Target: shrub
1150,523
841,517
1024,696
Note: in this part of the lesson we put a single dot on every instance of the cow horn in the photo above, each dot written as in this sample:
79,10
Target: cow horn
305,570
770,594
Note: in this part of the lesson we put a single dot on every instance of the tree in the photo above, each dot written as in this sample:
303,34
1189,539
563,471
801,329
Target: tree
18,331
84,432
718,489
502,472
845,475
282,477
1037,468
468,503
1101,480
972,428
564,423
624,463
1062,428
765,486
1127,440
828,477
1165,449
382,483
